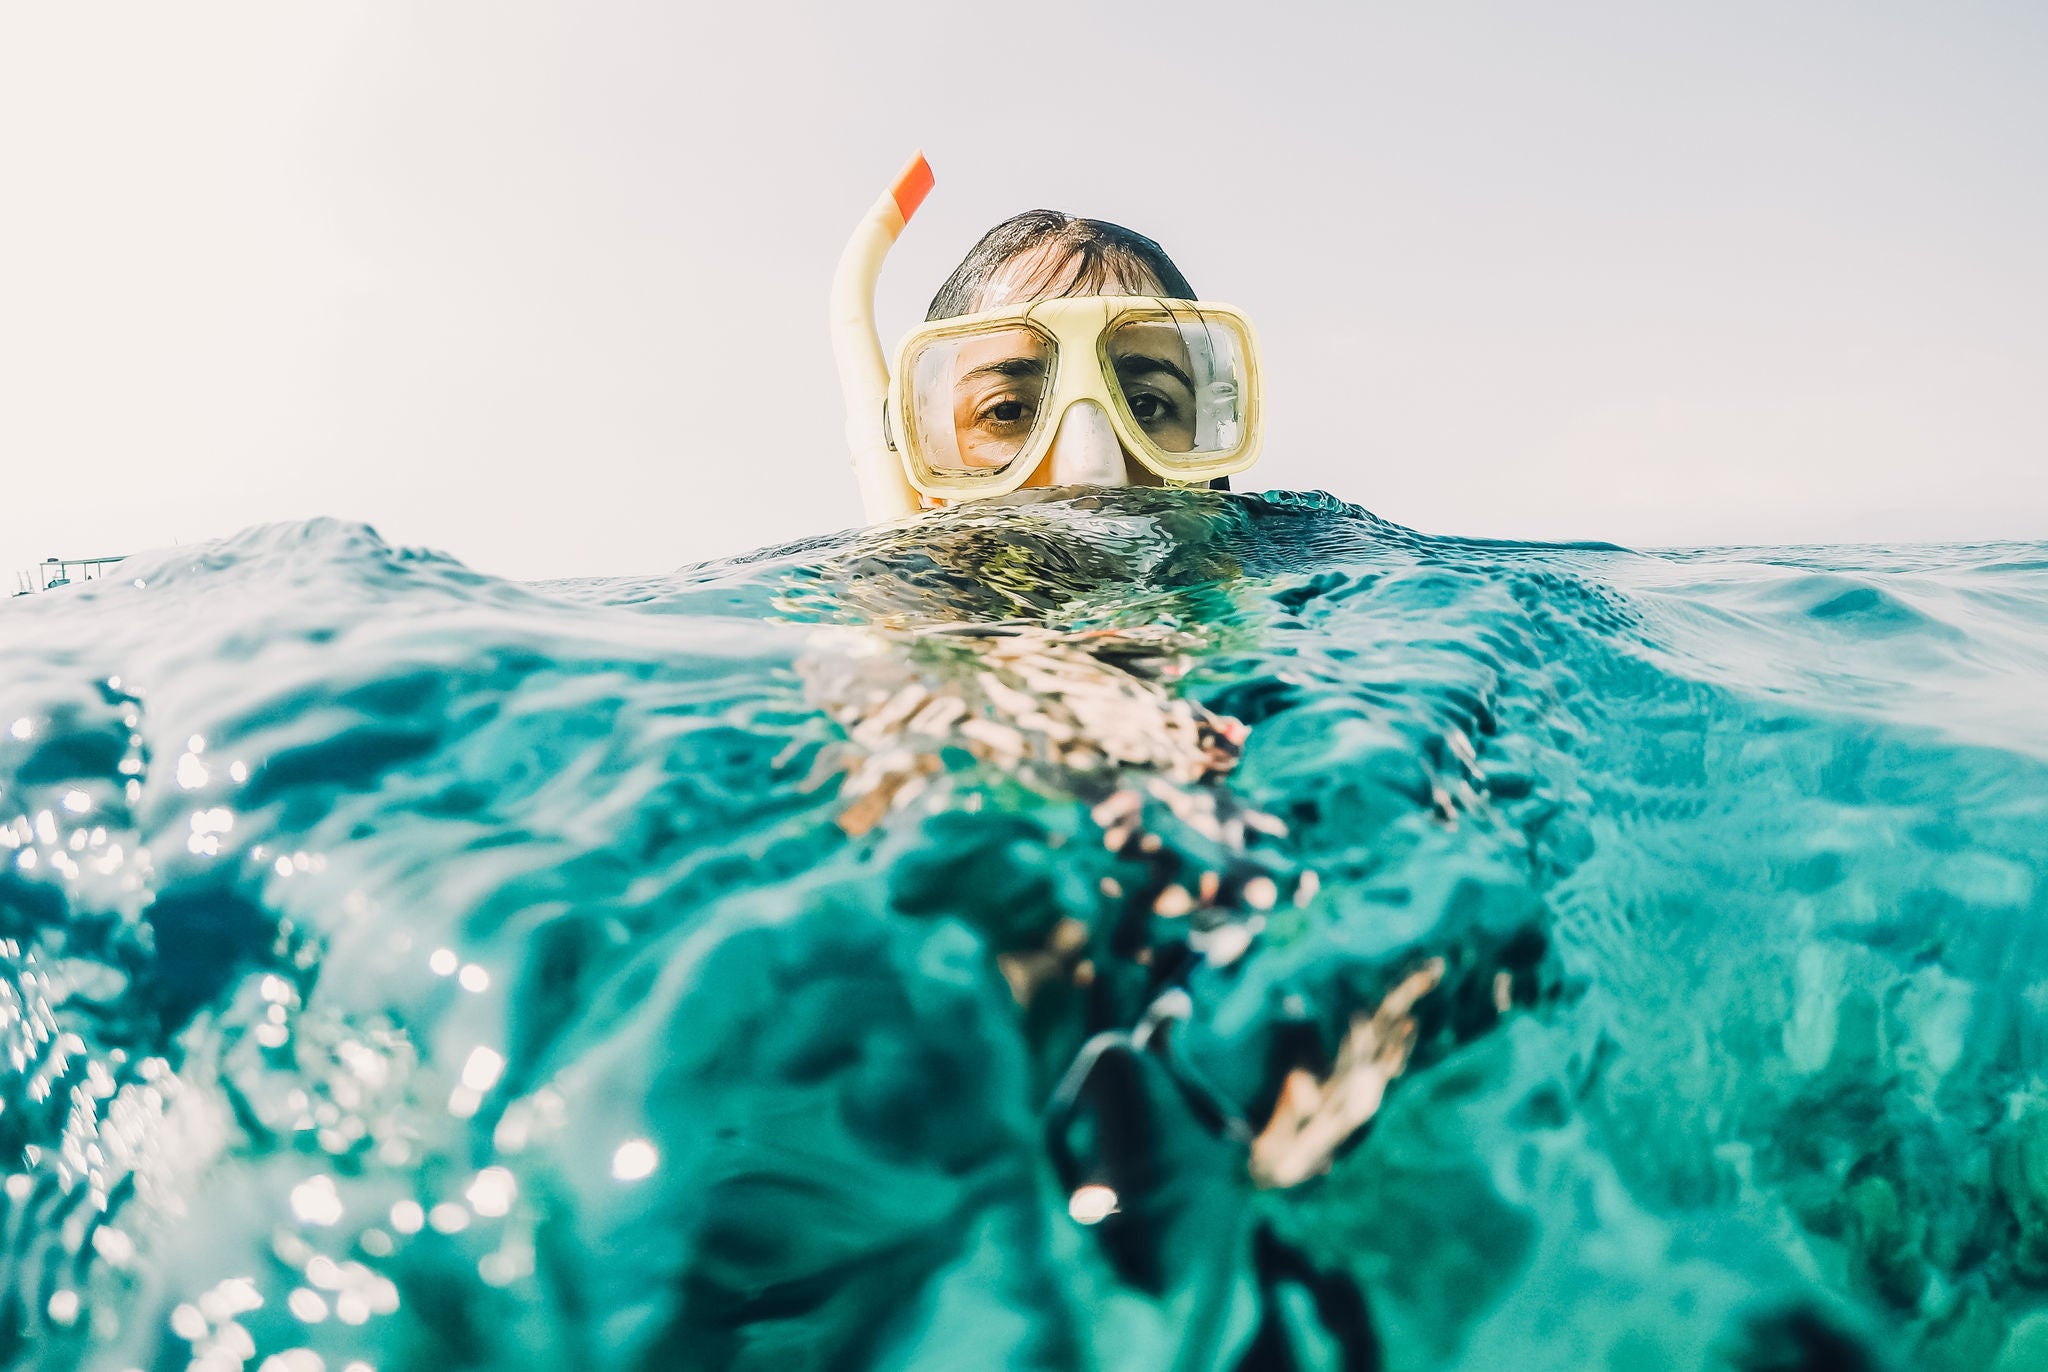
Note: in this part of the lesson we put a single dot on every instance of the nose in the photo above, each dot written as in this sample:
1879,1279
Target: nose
1085,452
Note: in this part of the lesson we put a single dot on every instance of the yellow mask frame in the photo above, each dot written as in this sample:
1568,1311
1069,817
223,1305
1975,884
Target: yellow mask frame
1076,332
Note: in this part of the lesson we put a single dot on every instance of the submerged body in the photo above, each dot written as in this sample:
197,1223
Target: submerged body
407,966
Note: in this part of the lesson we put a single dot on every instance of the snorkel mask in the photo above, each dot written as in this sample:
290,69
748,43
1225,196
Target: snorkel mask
974,405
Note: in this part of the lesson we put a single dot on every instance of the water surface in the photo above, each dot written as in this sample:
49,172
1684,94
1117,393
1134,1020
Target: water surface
1147,930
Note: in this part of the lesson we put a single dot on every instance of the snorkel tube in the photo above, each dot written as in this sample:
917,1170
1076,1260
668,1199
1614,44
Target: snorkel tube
885,493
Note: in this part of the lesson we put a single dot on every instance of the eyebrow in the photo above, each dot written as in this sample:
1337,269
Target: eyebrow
1009,366
1137,364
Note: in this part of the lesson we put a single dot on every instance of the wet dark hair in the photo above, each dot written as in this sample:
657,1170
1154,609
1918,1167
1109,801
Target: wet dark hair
1085,255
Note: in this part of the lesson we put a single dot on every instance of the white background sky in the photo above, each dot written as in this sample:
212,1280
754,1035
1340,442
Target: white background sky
544,285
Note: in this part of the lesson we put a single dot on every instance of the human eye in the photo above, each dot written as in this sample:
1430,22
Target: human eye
1149,407
1003,412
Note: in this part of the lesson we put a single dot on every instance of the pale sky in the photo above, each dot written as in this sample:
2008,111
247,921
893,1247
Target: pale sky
543,286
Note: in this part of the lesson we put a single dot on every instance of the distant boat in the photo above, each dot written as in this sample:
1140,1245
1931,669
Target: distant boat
53,572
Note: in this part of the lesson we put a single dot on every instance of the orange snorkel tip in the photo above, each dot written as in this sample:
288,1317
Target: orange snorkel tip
912,186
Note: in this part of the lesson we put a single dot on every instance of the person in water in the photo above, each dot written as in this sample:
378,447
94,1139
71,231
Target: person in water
1060,352
1067,352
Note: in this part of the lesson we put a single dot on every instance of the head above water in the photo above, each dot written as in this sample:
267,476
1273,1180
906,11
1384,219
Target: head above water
1047,255
1062,351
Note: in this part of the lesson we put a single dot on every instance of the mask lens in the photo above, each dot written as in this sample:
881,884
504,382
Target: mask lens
977,400
1184,380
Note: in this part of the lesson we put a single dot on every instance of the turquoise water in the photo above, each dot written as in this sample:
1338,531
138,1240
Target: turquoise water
1151,930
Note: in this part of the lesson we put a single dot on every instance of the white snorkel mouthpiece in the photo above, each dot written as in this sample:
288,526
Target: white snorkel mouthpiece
885,492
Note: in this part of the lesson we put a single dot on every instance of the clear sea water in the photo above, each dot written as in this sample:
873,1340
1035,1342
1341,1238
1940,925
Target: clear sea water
1149,930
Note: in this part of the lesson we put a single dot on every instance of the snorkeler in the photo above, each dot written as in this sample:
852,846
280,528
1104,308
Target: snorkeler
1060,352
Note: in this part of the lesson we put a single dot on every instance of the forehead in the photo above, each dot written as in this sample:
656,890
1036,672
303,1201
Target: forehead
1047,269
